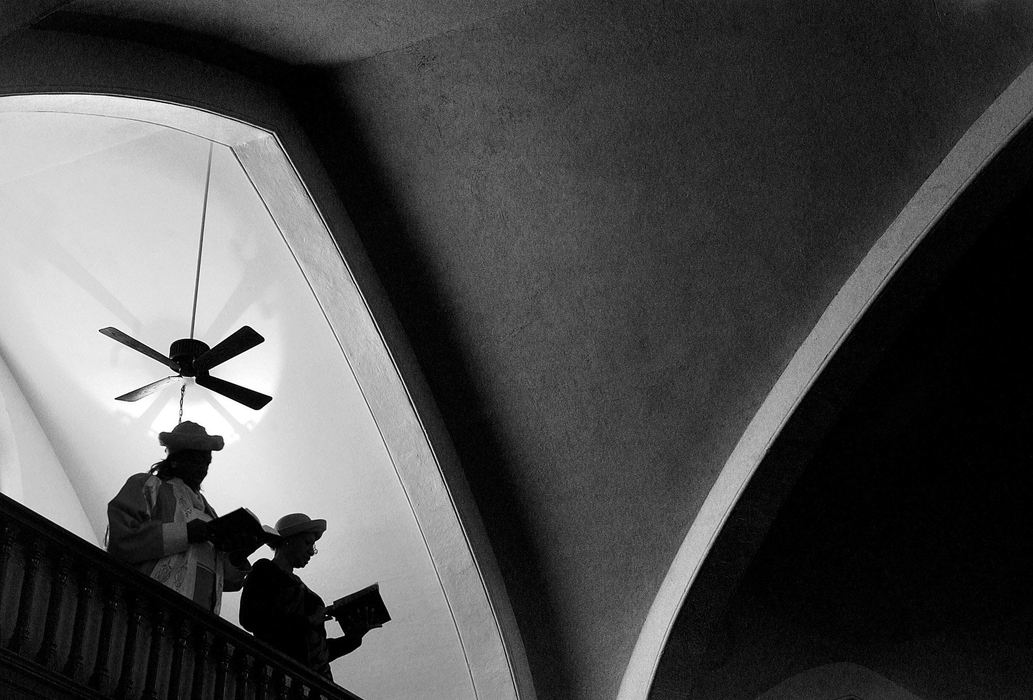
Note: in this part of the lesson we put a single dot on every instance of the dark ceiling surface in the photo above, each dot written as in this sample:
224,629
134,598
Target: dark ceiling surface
885,526
605,228
907,543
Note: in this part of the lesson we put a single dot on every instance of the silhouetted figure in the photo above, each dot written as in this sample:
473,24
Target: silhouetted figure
278,608
158,522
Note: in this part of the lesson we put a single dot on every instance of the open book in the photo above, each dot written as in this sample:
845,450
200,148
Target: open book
240,527
363,608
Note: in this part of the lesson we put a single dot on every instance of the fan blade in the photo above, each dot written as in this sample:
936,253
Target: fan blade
251,399
146,390
135,344
243,339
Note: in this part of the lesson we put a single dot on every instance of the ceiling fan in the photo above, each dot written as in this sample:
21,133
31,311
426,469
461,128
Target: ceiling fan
189,357
193,358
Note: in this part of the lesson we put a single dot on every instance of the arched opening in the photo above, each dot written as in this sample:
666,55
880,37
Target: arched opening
904,533
943,240
445,615
842,681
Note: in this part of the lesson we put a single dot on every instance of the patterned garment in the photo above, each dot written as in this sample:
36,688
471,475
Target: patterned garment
147,527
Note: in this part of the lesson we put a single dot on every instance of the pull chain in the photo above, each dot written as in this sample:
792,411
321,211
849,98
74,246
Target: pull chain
182,396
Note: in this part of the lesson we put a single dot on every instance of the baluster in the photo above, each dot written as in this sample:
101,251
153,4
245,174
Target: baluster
83,608
281,684
26,606
178,650
244,663
150,689
101,673
8,536
134,616
204,646
299,689
48,649
223,652
263,675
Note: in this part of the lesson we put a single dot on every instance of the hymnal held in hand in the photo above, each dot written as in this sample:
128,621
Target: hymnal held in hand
363,608
240,526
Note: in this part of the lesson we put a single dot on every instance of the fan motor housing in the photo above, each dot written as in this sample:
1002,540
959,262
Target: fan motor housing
184,351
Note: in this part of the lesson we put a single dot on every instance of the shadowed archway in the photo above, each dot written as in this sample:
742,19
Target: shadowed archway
970,200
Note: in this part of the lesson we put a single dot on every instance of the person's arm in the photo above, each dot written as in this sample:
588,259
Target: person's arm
134,533
340,646
235,569
355,628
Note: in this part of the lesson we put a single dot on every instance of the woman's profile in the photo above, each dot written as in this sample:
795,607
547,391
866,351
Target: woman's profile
279,609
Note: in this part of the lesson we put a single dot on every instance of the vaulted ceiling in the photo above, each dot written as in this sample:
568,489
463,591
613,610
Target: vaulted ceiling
600,230
102,227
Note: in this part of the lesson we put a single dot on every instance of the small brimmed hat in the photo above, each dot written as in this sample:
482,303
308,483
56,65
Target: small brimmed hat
297,523
190,436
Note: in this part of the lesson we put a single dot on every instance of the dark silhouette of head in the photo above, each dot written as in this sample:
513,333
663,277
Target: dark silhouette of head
188,449
297,544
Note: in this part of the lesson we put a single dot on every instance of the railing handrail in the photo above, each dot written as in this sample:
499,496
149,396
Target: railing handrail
83,554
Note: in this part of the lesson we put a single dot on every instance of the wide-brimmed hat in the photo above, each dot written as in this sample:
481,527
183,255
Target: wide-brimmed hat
297,523
190,436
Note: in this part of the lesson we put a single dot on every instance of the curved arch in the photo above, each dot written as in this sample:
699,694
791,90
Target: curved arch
987,137
838,680
286,175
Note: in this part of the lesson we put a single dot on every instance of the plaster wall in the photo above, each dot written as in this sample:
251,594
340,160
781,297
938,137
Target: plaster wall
30,471
624,219
606,230
290,180
904,545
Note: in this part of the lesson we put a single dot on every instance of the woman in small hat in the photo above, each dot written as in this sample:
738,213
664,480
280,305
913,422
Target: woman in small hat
278,608
158,521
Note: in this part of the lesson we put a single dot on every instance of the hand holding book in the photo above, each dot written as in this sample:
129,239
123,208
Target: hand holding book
361,611
239,532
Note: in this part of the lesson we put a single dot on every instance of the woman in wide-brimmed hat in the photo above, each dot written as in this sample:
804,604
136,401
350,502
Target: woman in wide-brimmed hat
158,521
278,608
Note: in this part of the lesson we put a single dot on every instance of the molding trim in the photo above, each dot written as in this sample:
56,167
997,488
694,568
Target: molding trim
465,568
983,140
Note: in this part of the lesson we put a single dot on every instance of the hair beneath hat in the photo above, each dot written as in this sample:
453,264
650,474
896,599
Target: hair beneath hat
168,468
312,529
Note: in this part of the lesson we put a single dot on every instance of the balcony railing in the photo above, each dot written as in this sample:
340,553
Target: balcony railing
76,623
